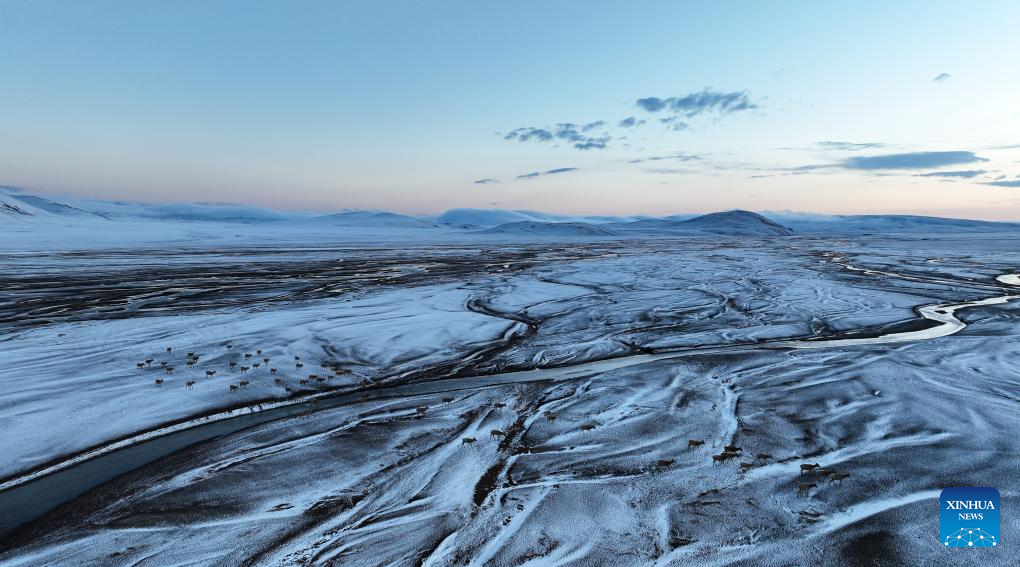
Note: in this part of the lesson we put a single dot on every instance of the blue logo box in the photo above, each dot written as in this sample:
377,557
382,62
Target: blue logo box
970,517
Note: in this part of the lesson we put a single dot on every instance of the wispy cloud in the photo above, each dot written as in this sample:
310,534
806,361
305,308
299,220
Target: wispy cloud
630,122
678,156
707,101
942,77
555,171
911,160
577,135
485,181
850,146
961,174
1012,183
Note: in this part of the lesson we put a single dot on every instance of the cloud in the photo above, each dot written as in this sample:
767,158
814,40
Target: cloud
678,156
942,77
963,174
850,146
630,122
566,131
913,160
693,104
554,171
485,181
674,123
1013,183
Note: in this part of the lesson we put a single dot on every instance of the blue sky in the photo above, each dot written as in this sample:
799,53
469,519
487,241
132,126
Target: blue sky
906,107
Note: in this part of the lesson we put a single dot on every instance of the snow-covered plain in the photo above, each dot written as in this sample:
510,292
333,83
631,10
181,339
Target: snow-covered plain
647,344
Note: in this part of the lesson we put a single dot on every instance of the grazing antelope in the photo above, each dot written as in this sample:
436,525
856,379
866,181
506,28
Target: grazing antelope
233,387
189,383
805,487
256,365
191,355
838,477
808,467
763,456
297,358
732,449
420,410
298,365
233,365
148,361
265,359
230,345
447,400
244,369
209,373
189,364
140,365
467,441
695,443
243,383
162,364
587,426
159,381
495,433
312,376
247,355
824,472
258,351
722,457
272,371
169,369
279,380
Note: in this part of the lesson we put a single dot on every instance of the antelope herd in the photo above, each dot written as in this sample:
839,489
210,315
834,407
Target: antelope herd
257,360
803,489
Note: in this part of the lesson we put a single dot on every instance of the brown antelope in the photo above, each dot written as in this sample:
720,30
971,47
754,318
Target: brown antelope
824,472
447,400
732,449
189,383
247,355
162,364
722,457
495,433
159,382
169,369
312,376
258,351
209,373
420,410
191,355
288,389
299,365
233,387
168,349
320,379
243,383
587,426
302,381
256,365
808,467
763,456
297,358
272,371
838,477
233,365
279,380
265,359
745,466
244,369
189,364
805,487
140,365
467,441
230,345
695,443
148,361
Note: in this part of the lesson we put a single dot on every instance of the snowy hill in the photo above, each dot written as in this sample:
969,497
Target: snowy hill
733,223
858,224
551,229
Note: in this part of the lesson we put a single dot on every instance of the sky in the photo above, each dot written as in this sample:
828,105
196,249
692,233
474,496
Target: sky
582,107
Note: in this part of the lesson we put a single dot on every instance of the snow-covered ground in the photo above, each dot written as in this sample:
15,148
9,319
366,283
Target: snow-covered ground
583,463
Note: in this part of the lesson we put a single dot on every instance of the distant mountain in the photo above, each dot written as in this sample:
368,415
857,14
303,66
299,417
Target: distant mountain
731,223
883,224
487,218
15,204
368,219
551,229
